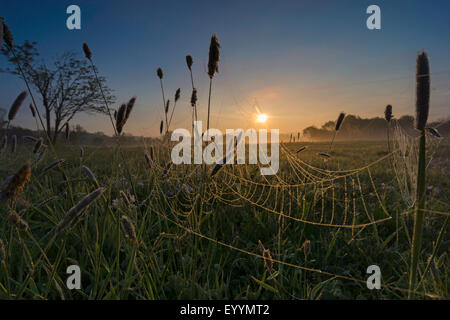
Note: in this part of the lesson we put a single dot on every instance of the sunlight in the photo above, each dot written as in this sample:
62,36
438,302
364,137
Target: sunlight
261,118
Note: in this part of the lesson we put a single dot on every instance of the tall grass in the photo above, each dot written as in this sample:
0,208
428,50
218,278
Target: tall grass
422,109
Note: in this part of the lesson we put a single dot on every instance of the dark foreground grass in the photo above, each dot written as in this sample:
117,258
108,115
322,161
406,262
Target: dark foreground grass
193,244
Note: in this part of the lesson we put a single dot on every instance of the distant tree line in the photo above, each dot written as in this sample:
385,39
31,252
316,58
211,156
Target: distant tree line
357,128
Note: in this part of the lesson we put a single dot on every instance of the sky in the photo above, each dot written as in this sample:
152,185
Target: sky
299,62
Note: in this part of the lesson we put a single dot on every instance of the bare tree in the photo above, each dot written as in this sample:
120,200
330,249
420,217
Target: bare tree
66,87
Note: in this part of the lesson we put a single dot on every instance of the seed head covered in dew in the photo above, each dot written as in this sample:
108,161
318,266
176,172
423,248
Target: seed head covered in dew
14,185
128,227
15,220
78,209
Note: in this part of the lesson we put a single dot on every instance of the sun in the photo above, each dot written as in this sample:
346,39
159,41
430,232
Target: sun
261,118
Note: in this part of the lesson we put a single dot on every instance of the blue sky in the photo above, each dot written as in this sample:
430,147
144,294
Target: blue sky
301,62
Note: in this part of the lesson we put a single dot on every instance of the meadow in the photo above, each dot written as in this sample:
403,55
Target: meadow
140,227
310,232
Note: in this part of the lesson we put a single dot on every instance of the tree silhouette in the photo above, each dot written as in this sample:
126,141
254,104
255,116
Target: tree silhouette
66,87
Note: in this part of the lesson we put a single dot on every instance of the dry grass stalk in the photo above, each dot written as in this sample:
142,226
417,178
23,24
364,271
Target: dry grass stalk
76,211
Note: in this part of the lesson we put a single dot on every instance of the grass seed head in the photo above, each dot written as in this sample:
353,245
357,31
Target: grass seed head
76,211
130,106
121,118
339,121
189,61
194,97
33,111
16,105
301,149
214,54
7,36
161,127
52,165
422,90
167,106
388,113
177,94
159,72
128,227
433,132
87,51
89,173
15,220
37,145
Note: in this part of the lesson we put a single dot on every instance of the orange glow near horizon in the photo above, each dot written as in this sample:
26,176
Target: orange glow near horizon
261,118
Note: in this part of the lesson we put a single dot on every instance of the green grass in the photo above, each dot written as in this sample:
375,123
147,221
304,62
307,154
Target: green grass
191,245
